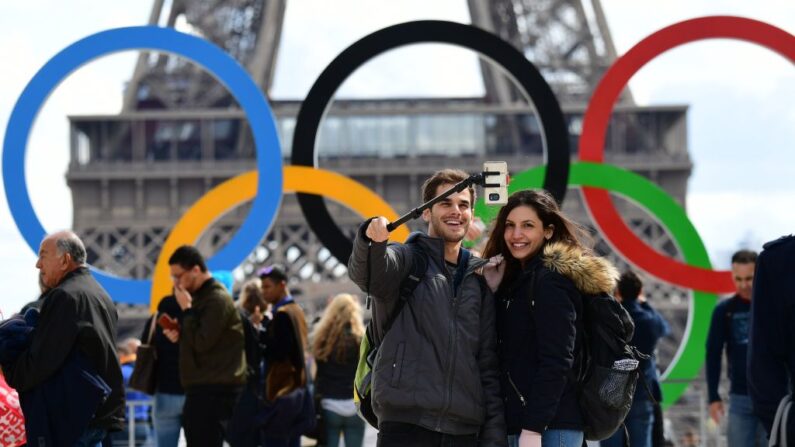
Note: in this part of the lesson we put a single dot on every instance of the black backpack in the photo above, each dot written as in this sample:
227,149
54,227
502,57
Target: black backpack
606,387
605,393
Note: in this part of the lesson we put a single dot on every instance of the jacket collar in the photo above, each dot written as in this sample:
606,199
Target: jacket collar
80,271
631,305
208,284
282,302
590,274
434,246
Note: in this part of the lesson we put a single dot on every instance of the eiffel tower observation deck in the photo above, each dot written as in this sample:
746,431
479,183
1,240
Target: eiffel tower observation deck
180,133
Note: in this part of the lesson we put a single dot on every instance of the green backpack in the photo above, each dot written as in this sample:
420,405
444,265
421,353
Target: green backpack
362,383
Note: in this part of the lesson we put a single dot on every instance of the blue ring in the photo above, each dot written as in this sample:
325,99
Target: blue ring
212,58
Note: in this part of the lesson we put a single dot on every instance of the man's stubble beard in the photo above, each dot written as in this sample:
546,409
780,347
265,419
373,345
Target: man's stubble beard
442,233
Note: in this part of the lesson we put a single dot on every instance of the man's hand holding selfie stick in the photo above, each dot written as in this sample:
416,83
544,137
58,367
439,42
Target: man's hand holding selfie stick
378,230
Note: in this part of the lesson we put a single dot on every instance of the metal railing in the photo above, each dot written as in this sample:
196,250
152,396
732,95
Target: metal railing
132,406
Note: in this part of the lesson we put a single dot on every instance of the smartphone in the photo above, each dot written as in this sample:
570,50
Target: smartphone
495,190
166,322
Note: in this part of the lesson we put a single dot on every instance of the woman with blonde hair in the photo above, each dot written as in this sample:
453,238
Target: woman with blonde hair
335,347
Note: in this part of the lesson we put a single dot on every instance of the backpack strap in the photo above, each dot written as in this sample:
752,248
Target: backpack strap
460,271
419,265
642,378
609,340
152,325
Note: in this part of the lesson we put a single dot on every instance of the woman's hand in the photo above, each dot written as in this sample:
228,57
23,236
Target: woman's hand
529,439
493,271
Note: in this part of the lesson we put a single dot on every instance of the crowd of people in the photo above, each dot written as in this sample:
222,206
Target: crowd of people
487,350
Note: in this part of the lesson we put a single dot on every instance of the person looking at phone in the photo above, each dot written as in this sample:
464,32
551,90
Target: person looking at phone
212,362
436,375
169,395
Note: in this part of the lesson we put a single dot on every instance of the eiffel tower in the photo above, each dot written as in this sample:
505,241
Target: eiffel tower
180,133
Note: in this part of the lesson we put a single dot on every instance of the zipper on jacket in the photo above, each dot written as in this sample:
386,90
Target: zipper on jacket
452,362
451,347
515,388
448,398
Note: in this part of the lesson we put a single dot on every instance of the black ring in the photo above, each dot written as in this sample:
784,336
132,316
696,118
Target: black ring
486,44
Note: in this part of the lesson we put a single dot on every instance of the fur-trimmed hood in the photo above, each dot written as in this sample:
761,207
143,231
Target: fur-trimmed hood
590,274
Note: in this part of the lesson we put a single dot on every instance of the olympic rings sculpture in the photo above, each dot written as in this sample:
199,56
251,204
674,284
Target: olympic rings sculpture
266,186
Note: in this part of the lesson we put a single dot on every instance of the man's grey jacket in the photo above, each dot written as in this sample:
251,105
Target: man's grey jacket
437,366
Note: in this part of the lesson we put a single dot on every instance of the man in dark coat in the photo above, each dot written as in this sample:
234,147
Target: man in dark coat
212,363
77,318
728,332
436,378
771,353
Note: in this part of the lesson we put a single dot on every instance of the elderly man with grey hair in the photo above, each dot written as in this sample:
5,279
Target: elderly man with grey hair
77,320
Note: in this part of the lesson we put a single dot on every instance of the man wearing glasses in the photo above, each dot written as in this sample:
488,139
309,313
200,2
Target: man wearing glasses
211,348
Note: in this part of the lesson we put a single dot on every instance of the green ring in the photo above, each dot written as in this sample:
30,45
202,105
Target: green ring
691,354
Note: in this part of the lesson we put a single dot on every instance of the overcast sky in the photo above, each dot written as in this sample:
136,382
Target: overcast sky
741,119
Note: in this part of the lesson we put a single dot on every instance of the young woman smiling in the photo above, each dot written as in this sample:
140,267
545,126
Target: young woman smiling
540,270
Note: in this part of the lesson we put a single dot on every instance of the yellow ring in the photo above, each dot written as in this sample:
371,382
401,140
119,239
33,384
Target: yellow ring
242,188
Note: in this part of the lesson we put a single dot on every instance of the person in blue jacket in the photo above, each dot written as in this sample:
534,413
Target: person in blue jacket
650,327
771,351
143,425
729,331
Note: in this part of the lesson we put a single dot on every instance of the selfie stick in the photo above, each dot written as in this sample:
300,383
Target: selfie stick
474,179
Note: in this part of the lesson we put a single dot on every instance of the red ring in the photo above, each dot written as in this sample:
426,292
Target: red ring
597,117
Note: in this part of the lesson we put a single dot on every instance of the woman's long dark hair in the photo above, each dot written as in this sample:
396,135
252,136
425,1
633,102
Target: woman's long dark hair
564,229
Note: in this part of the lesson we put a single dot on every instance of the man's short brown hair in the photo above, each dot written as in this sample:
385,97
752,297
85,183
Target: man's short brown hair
451,176
744,257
